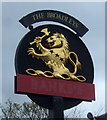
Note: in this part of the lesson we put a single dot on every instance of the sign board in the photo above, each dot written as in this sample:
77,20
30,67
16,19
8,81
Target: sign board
51,60
45,86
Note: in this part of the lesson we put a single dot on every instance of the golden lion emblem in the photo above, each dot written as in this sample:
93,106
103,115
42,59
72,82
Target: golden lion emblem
55,57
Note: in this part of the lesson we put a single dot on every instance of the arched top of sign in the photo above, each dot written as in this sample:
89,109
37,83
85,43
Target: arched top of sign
56,16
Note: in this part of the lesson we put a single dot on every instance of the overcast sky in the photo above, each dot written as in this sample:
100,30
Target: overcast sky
89,13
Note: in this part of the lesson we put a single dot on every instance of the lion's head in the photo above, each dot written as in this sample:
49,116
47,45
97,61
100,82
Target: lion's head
57,40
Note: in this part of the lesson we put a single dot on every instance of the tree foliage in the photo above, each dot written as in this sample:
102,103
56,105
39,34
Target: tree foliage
29,110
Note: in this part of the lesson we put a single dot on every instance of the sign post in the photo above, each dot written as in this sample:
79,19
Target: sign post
51,63
58,108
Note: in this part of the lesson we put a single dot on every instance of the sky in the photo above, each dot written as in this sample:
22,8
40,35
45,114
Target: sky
92,14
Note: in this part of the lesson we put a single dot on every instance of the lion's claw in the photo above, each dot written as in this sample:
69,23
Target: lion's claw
31,51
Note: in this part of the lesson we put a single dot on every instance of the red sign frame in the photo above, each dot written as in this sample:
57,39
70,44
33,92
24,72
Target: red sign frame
54,87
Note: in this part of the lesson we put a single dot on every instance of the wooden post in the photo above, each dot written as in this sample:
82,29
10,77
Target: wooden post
58,109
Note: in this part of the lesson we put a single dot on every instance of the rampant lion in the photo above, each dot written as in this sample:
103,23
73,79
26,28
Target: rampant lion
55,57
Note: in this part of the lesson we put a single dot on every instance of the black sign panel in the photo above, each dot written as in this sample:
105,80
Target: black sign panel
23,61
56,16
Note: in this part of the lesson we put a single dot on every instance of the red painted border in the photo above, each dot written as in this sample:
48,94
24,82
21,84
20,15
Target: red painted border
54,87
